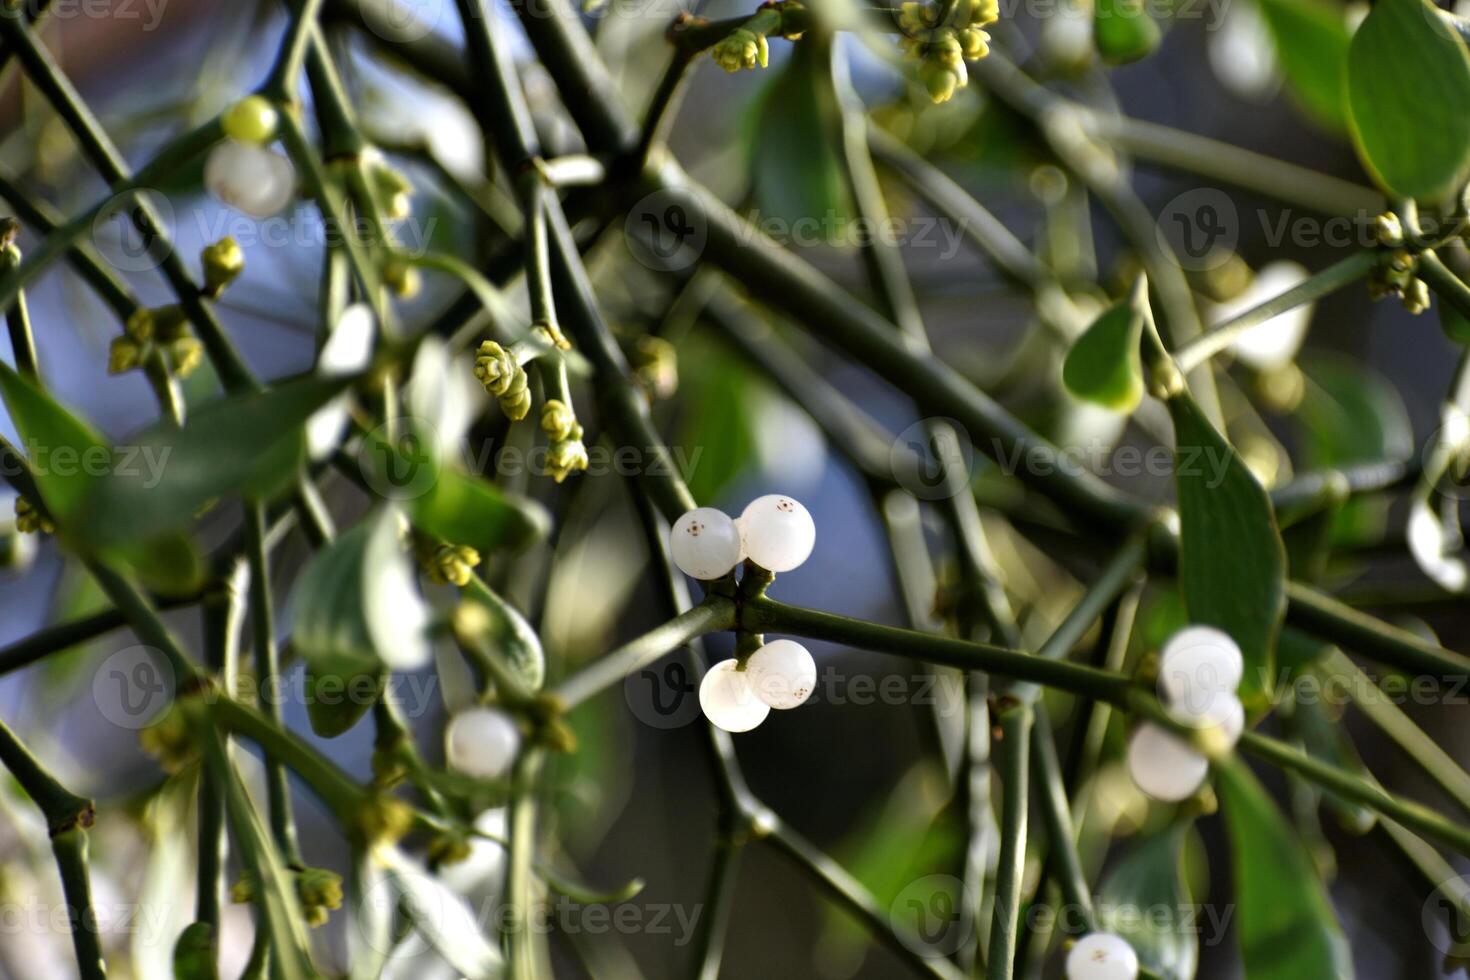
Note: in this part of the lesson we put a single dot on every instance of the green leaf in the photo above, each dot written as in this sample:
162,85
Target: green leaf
465,509
275,891
1123,31
1150,880
722,401
1103,365
1311,40
250,443
1232,565
505,635
1285,924
796,172
71,459
1326,738
1408,85
356,614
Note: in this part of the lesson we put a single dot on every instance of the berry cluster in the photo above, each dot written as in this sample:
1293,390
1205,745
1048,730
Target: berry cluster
737,697
1199,671
1102,956
942,44
775,532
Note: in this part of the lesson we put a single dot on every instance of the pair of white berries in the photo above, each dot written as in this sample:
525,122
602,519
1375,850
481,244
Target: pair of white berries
775,531
1200,669
1102,956
781,674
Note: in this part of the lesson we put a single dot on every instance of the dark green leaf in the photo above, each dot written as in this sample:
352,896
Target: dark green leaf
1148,881
1311,39
1232,565
1327,739
505,635
721,405
70,461
1103,365
249,443
1285,924
1408,87
796,172
465,509
356,613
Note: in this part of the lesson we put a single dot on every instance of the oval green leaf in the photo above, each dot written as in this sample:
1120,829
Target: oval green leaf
1150,880
1311,40
1408,86
250,443
1103,365
506,635
1232,564
1123,31
1285,924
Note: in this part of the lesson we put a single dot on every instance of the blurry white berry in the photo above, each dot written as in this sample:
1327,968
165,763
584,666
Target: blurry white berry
1197,665
1163,765
1102,956
729,700
783,673
250,178
1227,718
482,742
778,532
705,543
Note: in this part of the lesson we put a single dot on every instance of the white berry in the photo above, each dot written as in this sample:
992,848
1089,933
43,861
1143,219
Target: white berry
1102,956
729,700
250,178
482,742
1163,765
705,543
782,673
1197,665
1227,717
778,532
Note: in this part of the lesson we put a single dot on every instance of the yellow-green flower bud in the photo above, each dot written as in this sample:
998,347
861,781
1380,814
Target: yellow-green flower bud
940,81
975,43
1387,231
402,278
320,891
946,50
558,421
1416,296
170,741
452,564
223,262
657,367
124,354
503,377
242,892
184,355
913,17
140,325
394,190
448,847
169,323
742,48
565,457
983,12
30,520
384,820
251,120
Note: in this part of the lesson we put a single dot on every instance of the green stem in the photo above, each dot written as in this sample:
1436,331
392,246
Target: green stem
1013,749
1329,280
1056,813
293,50
18,318
713,615
1450,287
268,673
1414,816
519,887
